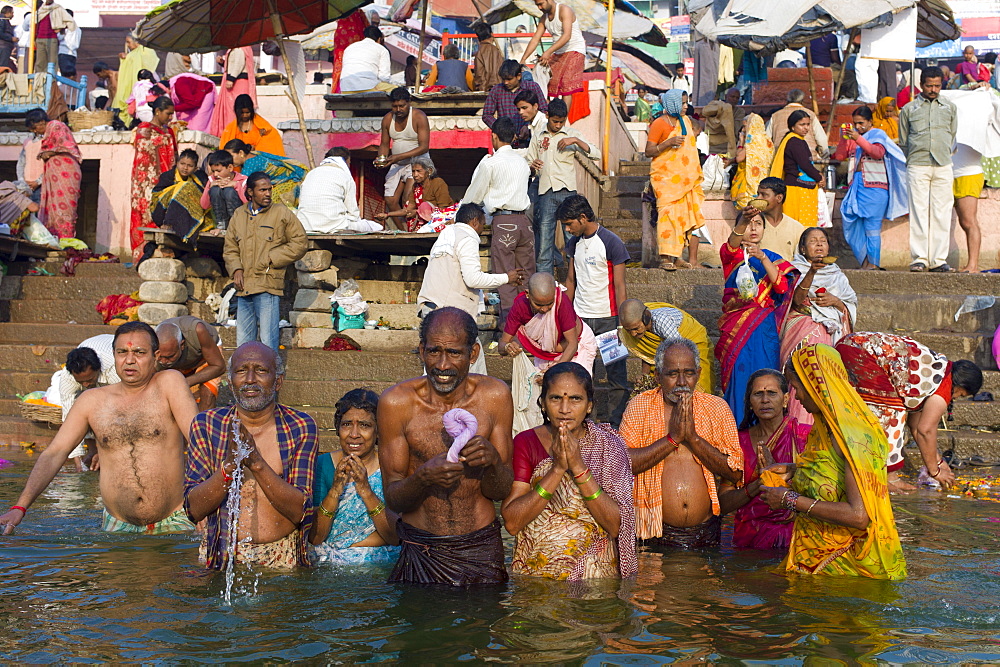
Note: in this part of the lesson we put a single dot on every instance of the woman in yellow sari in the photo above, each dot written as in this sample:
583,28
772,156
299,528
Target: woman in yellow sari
844,523
886,117
753,160
675,174
793,164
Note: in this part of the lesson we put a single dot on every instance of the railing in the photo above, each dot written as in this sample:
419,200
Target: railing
12,102
511,44
81,90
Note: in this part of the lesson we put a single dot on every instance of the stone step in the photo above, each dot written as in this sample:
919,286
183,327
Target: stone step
975,414
18,356
46,334
370,340
15,429
967,443
103,269
386,291
56,311
87,288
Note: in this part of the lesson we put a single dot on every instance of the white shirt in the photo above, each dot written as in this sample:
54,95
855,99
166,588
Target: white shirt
536,125
69,42
457,243
69,388
966,161
328,201
558,170
365,64
500,182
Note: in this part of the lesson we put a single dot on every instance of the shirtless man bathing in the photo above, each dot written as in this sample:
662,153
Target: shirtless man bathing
449,531
141,426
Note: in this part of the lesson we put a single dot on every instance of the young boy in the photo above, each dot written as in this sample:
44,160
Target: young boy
550,155
226,189
527,107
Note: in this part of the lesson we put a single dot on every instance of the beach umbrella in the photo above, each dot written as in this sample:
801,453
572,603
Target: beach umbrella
202,26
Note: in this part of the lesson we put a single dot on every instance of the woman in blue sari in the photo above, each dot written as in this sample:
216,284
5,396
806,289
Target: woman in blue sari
286,174
757,293
352,524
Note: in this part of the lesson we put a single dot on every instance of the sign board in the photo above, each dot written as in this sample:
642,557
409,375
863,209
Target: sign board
409,43
689,66
680,28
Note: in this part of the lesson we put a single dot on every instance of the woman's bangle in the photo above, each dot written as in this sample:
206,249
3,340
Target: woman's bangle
736,233
324,511
939,464
226,477
585,471
810,508
788,500
595,495
542,492
378,509
24,510
584,480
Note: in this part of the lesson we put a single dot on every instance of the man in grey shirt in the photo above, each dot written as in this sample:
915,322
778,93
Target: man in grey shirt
927,127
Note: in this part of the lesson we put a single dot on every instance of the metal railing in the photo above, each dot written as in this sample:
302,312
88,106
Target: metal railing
511,44
12,102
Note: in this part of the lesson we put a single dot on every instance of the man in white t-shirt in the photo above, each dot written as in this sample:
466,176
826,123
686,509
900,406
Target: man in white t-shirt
596,285
328,202
967,166
366,64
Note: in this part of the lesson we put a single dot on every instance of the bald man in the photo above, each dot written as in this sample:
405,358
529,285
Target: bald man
645,325
193,347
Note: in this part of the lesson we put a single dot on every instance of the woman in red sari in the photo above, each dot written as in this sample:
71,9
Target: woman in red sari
155,153
767,436
60,181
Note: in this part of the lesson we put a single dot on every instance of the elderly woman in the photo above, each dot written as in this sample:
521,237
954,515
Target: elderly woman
451,71
793,164
352,524
570,508
844,524
155,153
252,129
285,173
60,179
430,202
767,436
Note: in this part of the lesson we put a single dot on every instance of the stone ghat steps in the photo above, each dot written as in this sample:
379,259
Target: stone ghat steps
55,311
46,334
77,287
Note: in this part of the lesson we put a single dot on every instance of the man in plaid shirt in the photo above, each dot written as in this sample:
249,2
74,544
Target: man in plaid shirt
276,496
500,101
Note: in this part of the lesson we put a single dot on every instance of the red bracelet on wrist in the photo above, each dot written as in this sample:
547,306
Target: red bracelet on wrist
673,442
225,475
24,510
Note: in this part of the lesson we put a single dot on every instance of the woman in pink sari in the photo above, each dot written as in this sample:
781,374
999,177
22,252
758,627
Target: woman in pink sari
60,181
194,100
239,78
767,436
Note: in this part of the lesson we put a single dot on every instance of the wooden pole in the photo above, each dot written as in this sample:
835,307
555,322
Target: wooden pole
278,34
605,158
812,80
423,35
840,81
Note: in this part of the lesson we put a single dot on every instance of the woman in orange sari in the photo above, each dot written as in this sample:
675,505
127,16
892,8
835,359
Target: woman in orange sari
675,175
155,153
252,129
60,181
793,164
844,523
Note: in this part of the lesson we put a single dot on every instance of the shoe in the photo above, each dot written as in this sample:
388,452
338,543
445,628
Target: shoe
668,266
944,268
918,267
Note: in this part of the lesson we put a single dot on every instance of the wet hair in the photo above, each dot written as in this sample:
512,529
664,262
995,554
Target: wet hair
558,109
774,184
470,213
238,146
795,117
805,237
527,96
966,374
188,153
253,178
557,371
573,207
373,32
101,66
451,52
81,358
672,342
338,151
132,327
503,128
749,418
795,96
930,73
465,321
427,163
400,94
355,399
244,101
223,158
863,112
483,31
509,69
161,103
35,116
145,75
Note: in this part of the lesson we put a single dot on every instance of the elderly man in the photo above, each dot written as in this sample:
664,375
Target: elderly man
778,125
448,526
193,347
90,364
685,451
643,326
140,425
277,472
329,200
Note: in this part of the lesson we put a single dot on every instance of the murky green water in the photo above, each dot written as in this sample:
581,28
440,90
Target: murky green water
69,592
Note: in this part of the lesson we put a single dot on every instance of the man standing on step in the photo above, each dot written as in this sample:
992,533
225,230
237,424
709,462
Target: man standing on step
91,364
406,134
566,56
595,284
500,185
193,347
448,526
141,426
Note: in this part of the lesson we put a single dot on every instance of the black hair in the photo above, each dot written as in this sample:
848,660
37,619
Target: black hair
930,73
470,213
256,176
188,153
360,399
400,94
145,75
503,127
6,8
573,207
749,418
466,321
795,117
243,101
774,184
410,60
161,103
238,146
525,95
223,158
805,236
132,327
509,69
373,32
35,116
338,151
558,109
565,368
966,375
483,31
863,112
101,66
81,358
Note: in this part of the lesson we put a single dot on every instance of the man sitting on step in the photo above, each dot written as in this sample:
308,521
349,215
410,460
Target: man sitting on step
193,347
141,426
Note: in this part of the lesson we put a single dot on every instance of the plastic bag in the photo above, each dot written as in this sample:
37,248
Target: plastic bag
36,232
348,297
973,304
715,175
342,321
824,212
746,282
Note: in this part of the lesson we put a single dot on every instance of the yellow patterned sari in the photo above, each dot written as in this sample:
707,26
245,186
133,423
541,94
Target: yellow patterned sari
758,151
846,433
800,203
675,175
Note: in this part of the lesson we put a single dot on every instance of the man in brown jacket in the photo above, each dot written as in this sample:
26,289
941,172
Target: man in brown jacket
486,69
262,239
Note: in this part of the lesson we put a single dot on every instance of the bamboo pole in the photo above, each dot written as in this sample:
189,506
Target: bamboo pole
423,36
605,158
840,81
278,34
812,80
31,40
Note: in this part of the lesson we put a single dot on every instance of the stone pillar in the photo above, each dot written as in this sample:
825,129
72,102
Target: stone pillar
310,313
163,292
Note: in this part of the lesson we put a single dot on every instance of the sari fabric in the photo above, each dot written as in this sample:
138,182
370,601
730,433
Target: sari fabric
564,541
756,525
540,337
262,136
675,175
286,175
846,434
349,29
758,149
223,114
748,328
669,321
883,121
194,100
155,153
176,203
60,180
800,203
139,58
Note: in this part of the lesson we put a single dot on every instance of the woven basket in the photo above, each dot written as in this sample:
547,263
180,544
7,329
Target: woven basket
42,413
85,119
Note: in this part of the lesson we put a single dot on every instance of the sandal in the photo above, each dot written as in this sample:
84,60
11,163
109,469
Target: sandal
681,264
668,266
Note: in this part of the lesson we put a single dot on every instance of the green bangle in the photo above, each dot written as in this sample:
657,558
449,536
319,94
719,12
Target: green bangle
324,511
542,492
595,495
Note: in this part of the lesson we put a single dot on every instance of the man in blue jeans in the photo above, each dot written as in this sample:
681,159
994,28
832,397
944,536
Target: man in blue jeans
551,157
262,239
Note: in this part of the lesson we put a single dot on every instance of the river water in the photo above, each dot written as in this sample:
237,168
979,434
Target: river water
70,592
